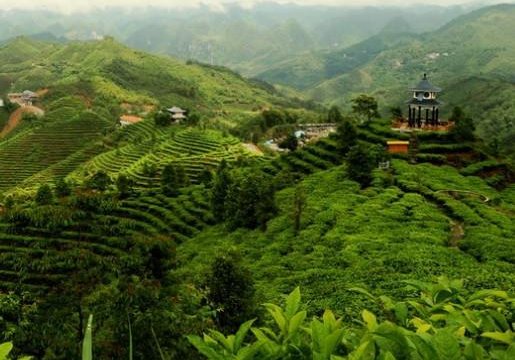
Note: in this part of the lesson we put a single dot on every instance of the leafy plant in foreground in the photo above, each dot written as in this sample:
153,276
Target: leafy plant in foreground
442,323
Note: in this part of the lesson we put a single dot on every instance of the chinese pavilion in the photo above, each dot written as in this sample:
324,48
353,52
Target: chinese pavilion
423,107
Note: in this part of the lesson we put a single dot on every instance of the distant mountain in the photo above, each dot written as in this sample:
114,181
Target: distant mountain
479,44
249,40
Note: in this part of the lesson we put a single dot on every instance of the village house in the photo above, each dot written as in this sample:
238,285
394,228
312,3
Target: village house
126,120
26,98
177,114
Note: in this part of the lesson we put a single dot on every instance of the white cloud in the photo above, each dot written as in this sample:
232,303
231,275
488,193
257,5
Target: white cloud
73,5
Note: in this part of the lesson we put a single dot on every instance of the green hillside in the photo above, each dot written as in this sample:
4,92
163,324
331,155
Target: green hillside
86,86
150,253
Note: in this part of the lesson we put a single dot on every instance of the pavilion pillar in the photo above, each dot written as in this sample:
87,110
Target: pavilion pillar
409,115
437,113
433,122
419,117
427,116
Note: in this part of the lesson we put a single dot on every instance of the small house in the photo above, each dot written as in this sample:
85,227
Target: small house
26,98
177,114
126,120
398,147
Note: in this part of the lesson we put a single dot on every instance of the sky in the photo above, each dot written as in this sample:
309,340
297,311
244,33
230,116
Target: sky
73,5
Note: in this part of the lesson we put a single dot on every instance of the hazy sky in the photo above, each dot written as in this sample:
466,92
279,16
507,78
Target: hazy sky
70,5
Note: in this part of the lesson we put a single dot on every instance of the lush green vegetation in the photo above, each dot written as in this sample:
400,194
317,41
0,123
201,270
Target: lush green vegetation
166,230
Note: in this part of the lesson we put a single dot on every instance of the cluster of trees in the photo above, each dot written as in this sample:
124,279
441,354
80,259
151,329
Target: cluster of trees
242,197
173,177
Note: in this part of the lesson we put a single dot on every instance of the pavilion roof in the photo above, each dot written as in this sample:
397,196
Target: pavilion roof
425,85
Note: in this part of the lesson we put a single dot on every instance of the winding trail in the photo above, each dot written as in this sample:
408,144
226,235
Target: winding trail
16,117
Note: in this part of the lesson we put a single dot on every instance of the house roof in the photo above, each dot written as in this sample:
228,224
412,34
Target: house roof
425,85
175,110
397,142
29,93
130,119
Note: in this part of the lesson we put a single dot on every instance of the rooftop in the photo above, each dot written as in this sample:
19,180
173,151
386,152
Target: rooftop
425,85
176,109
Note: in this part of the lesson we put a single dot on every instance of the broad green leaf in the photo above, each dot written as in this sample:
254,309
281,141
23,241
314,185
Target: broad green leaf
222,340
241,333
482,294
364,292
278,315
87,344
249,352
446,345
506,337
295,322
5,349
204,348
292,303
370,320
365,351
473,351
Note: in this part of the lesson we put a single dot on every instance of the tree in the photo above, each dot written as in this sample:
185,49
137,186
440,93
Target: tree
62,188
360,164
413,147
162,118
396,112
44,196
182,177
99,181
334,115
206,177
169,185
299,203
346,135
221,185
231,290
463,129
124,184
250,200
291,142
366,106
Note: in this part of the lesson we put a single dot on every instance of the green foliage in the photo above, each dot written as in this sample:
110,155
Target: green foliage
87,344
463,129
334,115
230,291
62,188
44,196
291,142
365,106
250,200
221,184
162,118
361,161
442,323
99,181
346,135
125,185
173,177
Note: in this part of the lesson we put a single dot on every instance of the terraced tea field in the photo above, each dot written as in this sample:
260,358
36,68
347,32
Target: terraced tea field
39,257
146,147
53,150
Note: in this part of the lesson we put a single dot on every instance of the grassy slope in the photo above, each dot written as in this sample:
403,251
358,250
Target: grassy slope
374,238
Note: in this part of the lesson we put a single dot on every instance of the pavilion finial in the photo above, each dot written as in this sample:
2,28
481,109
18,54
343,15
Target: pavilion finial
425,76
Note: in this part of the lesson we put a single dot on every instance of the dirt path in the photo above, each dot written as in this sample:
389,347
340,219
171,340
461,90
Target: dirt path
16,117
